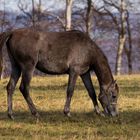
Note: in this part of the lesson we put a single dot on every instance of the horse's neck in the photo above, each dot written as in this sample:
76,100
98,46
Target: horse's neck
102,70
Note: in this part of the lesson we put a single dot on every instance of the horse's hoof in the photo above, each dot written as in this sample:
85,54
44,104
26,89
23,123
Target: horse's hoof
98,112
67,114
102,114
10,116
38,117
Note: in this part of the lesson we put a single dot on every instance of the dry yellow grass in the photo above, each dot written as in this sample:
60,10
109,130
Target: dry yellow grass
48,93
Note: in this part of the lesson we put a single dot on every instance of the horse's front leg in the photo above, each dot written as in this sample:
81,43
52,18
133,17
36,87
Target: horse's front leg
86,78
70,89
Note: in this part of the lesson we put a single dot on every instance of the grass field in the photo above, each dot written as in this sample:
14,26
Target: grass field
48,94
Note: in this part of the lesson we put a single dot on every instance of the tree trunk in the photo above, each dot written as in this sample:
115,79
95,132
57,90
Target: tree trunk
89,15
129,54
39,10
33,14
68,14
122,38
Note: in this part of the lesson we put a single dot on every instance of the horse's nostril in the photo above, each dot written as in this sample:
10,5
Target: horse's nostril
113,96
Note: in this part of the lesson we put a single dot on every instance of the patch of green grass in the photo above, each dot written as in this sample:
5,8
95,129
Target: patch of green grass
48,93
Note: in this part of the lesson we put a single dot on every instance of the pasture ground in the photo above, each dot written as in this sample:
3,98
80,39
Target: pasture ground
48,94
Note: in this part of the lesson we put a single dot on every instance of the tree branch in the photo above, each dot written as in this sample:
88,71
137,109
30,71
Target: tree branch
110,3
21,7
57,17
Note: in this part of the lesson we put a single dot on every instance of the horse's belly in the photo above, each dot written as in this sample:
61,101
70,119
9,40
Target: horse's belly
52,67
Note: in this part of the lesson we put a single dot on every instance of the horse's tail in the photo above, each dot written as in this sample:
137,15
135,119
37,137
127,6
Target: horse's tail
3,37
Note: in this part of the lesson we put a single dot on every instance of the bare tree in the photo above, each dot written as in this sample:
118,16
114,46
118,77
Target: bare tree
39,7
68,14
23,6
122,37
122,26
89,17
33,14
128,51
5,23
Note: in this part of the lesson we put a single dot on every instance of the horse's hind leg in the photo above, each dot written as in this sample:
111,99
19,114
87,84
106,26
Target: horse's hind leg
11,87
70,90
91,91
24,88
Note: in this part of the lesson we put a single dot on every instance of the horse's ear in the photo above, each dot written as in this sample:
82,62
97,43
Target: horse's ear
112,85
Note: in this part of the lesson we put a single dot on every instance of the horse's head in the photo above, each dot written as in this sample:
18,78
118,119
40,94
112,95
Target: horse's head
108,98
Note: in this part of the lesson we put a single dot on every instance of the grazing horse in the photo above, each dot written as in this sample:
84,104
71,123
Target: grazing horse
72,53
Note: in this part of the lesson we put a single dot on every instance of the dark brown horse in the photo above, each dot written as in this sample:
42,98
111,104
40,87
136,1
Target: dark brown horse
72,53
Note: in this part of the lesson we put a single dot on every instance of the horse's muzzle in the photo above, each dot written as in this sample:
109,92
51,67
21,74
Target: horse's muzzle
111,111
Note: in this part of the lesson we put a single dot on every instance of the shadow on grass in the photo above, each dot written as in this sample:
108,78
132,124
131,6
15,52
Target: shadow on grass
89,118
